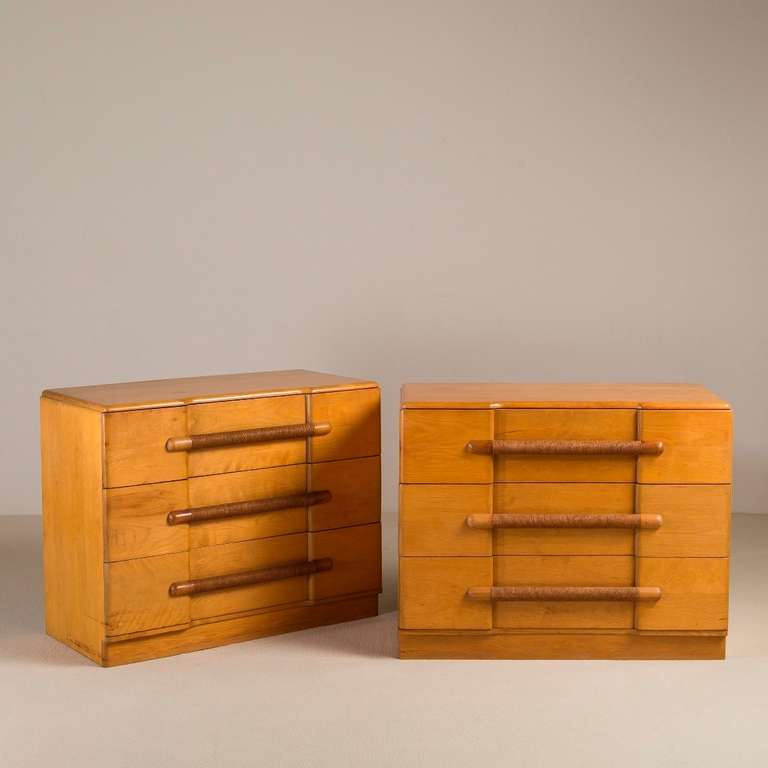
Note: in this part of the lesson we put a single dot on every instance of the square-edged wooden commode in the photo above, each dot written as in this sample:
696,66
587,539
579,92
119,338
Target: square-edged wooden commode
189,513
564,521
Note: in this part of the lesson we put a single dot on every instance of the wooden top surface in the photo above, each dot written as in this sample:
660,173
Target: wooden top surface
656,396
160,393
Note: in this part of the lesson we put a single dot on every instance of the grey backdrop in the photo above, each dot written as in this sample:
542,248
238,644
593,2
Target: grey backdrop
401,191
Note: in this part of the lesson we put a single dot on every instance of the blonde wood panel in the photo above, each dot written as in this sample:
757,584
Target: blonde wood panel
433,592
246,414
423,645
433,446
697,447
137,594
237,629
355,420
195,389
136,520
558,499
355,487
135,446
356,555
248,556
565,424
564,571
247,486
73,525
558,395
694,593
433,520
696,520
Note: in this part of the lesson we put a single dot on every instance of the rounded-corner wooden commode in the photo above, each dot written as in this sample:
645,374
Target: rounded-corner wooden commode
189,513
564,521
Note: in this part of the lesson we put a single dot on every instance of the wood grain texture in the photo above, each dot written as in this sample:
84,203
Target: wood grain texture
695,593
565,424
239,629
554,395
356,555
246,414
433,592
355,487
697,446
197,389
433,446
355,419
697,520
247,556
421,645
554,499
137,594
73,529
433,520
135,447
563,571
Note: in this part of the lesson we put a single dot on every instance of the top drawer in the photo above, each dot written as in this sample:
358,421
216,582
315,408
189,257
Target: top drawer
321,427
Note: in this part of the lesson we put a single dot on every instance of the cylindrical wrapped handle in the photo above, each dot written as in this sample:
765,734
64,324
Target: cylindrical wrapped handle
566,594
564,521
246,436
567,447
248,578
239,508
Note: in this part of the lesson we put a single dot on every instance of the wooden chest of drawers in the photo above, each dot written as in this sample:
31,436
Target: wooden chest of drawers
564,521
188,513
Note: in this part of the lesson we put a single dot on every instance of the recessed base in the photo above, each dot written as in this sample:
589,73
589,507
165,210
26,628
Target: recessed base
432,645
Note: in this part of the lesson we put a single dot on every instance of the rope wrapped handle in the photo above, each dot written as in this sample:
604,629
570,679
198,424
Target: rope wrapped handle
246,436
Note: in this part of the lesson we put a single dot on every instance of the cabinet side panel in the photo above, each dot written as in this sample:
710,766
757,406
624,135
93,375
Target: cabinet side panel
73,525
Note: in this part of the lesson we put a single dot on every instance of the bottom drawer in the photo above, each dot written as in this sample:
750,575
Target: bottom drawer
225,579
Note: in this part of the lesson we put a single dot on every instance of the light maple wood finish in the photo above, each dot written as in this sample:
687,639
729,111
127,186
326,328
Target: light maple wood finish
355,420
355,487
356,555
423,645
564,571
433,592
697,447
695,593
554,499
433,520
139,395
697,520
244,556
246,414
239,628
555,395
73,533
433,447
134,449
565,424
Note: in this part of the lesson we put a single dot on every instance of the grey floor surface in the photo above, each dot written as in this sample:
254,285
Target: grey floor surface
338,696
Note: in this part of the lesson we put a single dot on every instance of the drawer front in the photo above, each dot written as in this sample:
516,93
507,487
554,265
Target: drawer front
356,556
564,571
246,556
433,446
433,592
137,598
355,419
355,487
240,415
697,446
134,450
696,520
565,424
572,500
433,520
694,593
